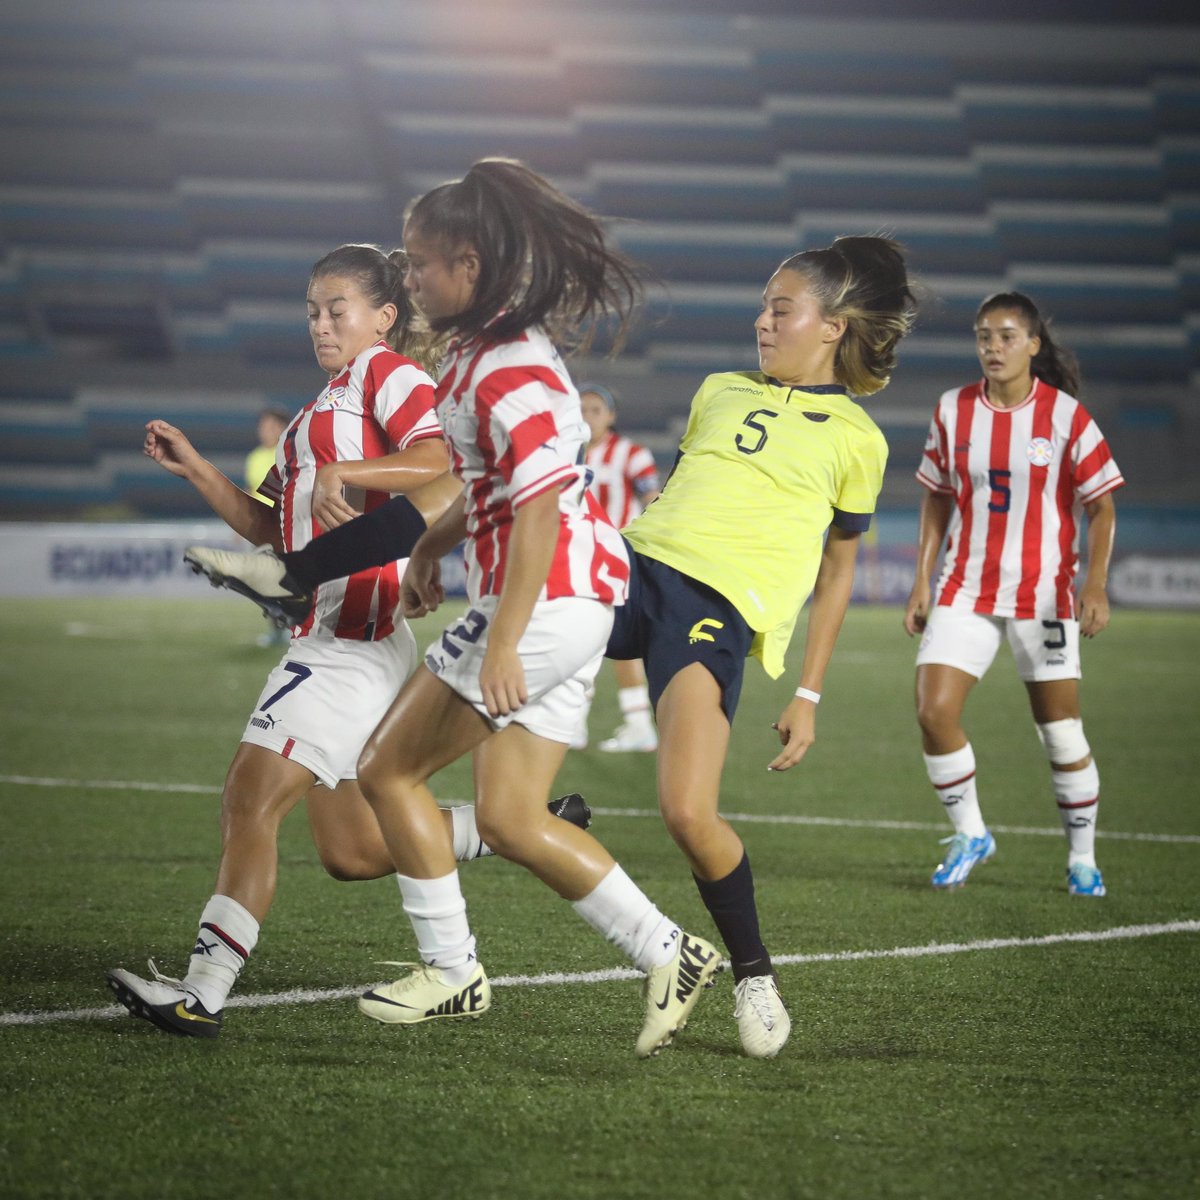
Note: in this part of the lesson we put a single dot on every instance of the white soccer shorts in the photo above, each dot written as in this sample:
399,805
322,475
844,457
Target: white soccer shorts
1043,650
324,699
561,650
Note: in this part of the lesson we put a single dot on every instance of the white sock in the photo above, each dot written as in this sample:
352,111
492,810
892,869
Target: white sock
953,778
467,842
1078,796
227,935
438,914
620,911
635,707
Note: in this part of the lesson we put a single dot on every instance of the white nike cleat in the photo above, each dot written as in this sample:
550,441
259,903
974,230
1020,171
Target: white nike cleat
762,1020
671,992
424,994
164,1002
259,575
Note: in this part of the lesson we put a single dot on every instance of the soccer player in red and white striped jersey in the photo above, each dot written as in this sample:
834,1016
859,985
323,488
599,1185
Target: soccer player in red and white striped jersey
504,264
624,481
1012,464
345,664
380,403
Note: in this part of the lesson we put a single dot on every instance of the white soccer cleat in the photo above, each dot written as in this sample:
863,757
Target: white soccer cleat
671,992
424,994
630,739
762,1020
164,1002
260,576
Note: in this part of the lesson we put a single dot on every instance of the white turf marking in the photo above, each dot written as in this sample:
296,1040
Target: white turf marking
612,974
749,818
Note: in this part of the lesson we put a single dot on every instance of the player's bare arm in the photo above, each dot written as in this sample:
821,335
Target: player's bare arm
934,520
831,597
1092,602
399,473
170,448
421,590
531,550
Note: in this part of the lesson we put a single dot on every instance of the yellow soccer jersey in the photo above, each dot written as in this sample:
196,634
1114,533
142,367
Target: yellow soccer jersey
764,469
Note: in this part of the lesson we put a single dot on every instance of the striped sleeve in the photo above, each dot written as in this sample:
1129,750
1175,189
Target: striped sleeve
1094,471
934,469
642,471
272,485
401,398
521,419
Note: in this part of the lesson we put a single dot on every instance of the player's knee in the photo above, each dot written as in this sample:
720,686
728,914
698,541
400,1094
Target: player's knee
936,717
689,825
370,771
242,807
346,868
1064,742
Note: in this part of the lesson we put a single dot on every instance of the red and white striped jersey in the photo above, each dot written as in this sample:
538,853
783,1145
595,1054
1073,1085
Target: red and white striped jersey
622,473
380,402
1020,478
514,430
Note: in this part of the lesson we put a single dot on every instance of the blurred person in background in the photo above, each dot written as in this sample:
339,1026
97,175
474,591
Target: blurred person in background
624,482
1011,465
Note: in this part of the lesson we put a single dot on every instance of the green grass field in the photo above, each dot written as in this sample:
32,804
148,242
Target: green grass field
1044,1068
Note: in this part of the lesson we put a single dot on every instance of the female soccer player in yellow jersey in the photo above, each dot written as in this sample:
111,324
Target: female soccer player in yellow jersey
776,479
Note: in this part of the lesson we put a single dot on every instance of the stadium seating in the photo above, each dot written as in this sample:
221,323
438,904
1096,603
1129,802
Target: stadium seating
172,171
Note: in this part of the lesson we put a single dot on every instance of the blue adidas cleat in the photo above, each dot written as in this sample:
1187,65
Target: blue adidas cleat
1085,880
963,854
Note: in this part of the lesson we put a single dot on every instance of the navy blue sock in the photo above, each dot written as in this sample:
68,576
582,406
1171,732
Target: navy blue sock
730,901
381,536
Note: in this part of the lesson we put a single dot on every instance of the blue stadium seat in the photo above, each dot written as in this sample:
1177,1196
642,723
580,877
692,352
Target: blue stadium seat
674,134
1057,115
1083,232
870,124
897,183
449,142
1122,175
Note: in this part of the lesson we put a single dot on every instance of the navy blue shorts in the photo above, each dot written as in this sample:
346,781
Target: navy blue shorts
671,620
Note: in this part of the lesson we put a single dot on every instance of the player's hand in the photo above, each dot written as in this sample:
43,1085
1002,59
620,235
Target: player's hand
170,449
797,728
502,680
421,590
329,504
916,611
1091,610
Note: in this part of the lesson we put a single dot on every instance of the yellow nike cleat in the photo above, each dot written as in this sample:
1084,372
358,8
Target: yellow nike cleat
164,1002
672,990
424,994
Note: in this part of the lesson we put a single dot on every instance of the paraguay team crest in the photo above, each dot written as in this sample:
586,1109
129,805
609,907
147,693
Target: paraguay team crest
334,398
1040,452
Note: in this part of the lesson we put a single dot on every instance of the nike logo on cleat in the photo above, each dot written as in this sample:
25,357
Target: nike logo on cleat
469,1000
181,1010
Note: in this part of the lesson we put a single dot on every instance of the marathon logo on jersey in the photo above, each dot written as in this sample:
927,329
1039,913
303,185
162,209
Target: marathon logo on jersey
818,417
1040,452
335,397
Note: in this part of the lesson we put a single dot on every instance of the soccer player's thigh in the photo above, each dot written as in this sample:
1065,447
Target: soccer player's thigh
957,648
561,651
1049,664
967,641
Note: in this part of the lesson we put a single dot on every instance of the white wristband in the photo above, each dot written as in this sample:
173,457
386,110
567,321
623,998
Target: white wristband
809,694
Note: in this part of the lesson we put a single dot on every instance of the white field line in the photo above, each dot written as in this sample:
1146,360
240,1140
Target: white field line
612,974
749,818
